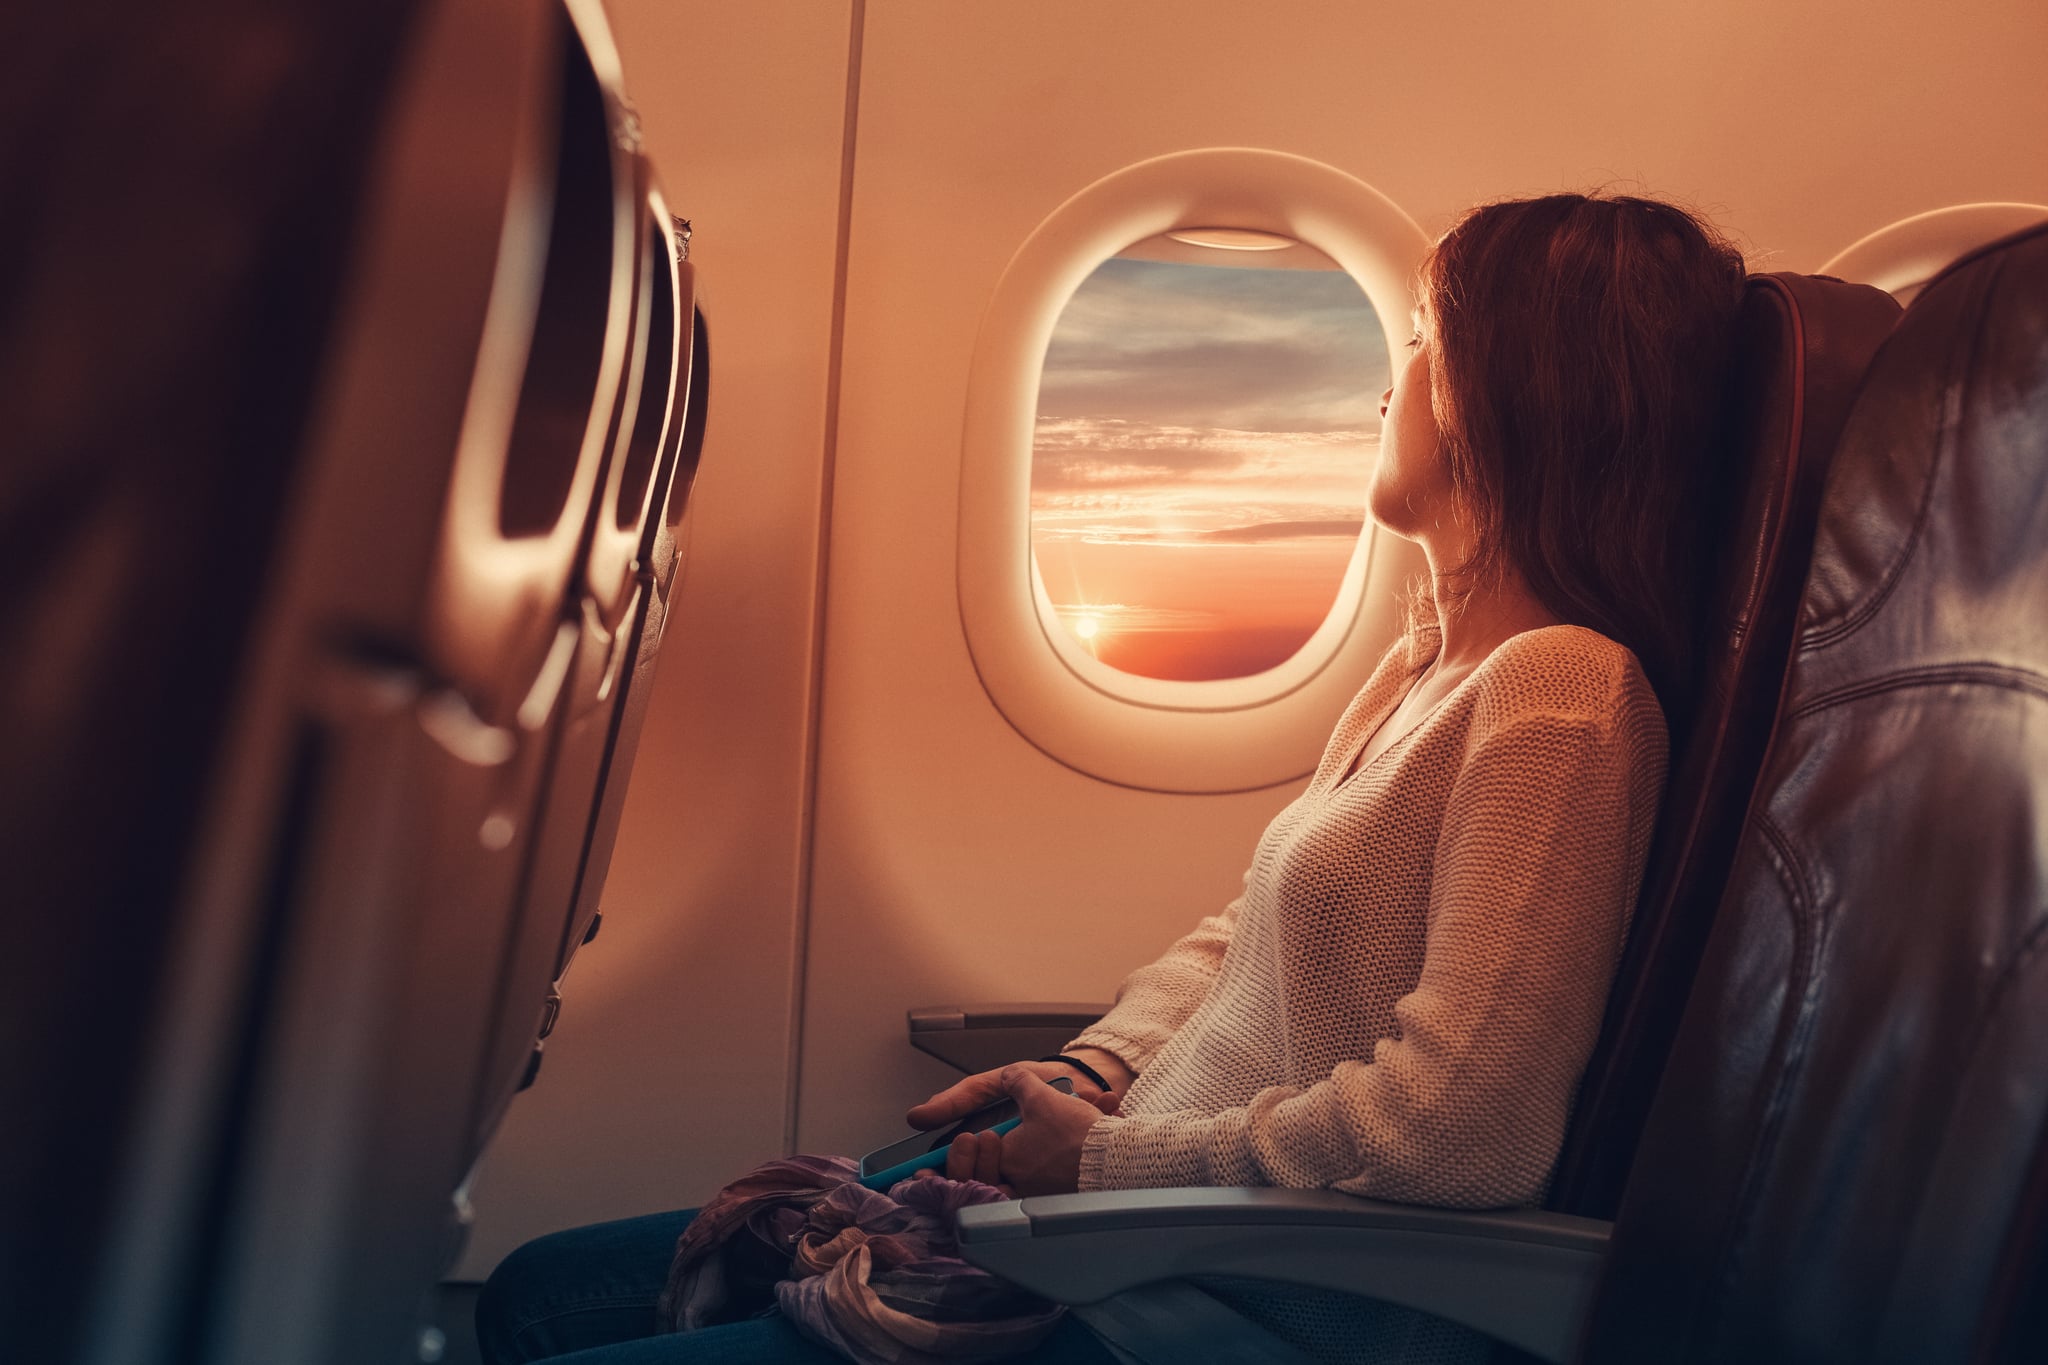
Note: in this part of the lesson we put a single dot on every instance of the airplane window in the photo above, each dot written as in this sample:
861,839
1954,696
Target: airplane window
1903,256
1207,422
1166,577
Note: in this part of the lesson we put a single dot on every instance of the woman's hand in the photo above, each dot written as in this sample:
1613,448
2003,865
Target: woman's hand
980,1156
1042,1154
963,1097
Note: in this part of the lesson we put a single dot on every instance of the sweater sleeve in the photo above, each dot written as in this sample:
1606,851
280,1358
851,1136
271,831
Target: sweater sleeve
1536,869
1157,999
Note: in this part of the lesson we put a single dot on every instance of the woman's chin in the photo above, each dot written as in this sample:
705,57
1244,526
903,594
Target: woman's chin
1396,519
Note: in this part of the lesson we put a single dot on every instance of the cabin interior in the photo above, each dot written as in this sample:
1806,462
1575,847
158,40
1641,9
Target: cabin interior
381,418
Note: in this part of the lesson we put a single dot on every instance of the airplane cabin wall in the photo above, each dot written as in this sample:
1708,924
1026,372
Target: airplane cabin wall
950,859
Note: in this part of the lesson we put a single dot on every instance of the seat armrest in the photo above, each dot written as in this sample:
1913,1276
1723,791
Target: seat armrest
1520,1275
979,1037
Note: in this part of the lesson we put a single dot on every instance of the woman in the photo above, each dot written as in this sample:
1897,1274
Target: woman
1402,1001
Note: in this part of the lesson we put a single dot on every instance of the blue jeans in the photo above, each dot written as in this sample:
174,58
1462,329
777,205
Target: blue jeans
586,1297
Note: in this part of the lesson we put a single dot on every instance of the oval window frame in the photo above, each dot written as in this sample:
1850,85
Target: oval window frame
1236,734
1901,257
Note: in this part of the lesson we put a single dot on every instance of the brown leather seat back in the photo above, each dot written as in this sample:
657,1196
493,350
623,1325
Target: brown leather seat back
168,288
1837,1160
295,530
1805,343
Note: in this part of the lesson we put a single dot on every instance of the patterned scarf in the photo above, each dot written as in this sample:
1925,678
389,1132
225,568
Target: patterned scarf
874,1276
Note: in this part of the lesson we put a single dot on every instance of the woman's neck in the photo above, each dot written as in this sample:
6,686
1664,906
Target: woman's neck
1473,621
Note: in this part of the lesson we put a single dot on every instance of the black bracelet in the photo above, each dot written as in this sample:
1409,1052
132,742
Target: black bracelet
1086,1070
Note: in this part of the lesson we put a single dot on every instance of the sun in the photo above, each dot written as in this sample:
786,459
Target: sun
1086,627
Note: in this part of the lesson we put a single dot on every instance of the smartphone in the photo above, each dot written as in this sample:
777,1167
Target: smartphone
885,1166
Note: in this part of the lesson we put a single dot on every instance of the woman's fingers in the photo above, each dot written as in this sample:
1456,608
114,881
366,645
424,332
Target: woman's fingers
963,1097
988,1158
979,1156
960,1158
957,1100
975,1156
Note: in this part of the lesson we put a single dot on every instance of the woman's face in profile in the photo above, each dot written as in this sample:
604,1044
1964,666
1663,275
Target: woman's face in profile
1411,486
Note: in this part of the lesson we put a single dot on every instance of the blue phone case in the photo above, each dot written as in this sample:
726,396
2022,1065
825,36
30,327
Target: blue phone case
882,1180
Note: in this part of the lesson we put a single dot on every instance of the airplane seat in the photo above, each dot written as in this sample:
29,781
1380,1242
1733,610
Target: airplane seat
1844,1161
1847,1156
302,497
609,607
1803,345
662,548
151,386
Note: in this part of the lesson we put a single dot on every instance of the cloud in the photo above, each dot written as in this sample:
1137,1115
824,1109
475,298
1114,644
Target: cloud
1293,384
1097,454
1264,526
1085,453
1205,346
1346,527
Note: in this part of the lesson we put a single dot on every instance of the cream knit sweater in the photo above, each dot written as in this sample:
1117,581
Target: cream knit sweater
1401,1002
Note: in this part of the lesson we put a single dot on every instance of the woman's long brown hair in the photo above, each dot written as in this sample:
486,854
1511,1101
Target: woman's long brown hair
1581,352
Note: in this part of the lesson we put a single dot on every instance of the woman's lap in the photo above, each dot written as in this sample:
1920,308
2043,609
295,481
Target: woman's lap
569,1291
586,1297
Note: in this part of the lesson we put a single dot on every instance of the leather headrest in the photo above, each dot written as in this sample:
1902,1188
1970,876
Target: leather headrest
1973,372
1803,342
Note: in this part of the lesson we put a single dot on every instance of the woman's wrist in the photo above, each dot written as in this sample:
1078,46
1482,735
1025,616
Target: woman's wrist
1108,1064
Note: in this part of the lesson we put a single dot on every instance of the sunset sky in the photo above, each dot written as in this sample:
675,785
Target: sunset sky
1205,435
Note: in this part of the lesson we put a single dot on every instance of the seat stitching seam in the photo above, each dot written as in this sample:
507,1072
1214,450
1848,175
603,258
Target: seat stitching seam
1951,423
2001,676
